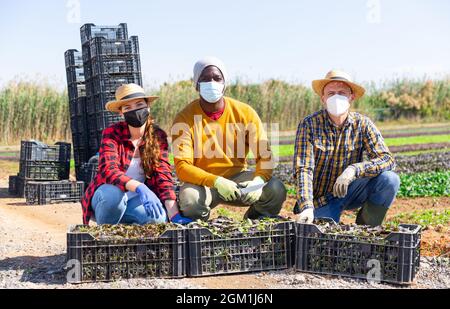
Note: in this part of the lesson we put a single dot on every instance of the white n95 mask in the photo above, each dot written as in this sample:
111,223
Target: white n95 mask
338,105
211,92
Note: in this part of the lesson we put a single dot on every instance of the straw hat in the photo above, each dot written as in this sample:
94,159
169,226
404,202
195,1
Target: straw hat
341,76
127,93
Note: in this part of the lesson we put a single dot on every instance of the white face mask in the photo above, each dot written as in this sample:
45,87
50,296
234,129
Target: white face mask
211,92
338,105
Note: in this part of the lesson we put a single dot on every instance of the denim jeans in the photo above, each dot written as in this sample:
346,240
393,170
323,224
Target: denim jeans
379,191
111,206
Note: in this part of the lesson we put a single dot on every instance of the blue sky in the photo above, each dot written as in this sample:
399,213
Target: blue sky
296,41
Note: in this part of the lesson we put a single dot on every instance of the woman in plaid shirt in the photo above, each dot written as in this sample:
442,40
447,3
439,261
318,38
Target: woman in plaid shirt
330,167
134,181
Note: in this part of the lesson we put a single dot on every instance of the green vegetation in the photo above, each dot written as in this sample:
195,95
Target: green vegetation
425,184
424,218
414,140
223,212
33,111
288,150
419,152
430,184
416,129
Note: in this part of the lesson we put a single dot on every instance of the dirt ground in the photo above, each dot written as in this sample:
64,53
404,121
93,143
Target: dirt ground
32,237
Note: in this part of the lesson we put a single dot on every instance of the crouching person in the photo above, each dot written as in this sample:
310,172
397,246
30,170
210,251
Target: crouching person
331,172
211,138
134,183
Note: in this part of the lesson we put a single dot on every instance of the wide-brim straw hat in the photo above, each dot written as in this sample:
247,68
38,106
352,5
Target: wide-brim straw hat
340,76
127,93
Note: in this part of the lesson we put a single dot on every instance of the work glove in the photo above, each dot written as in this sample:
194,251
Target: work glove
150,201
254,196
341,186
227,189
306,216
179,219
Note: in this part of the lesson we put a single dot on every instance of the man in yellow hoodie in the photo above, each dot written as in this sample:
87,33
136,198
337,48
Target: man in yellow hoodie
211,138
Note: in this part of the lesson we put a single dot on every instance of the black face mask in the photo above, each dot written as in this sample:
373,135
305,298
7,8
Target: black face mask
137,118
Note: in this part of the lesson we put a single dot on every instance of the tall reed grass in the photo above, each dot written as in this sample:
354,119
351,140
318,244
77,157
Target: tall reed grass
35,110
30,110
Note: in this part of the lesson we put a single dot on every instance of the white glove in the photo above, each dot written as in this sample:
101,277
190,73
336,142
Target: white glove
306,216
252,197
227,189
342,182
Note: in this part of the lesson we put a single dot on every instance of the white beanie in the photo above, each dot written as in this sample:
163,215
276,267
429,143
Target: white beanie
206,62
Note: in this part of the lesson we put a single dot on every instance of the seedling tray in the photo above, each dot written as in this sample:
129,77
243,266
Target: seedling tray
393,258
50,192
211,254
109,260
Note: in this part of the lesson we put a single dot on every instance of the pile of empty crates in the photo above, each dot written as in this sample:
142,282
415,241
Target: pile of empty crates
43,176
108,59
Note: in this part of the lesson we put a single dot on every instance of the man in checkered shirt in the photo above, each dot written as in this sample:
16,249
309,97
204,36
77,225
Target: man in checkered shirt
341,161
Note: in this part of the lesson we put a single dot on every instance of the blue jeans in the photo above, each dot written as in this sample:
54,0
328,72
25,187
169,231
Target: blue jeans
111,206
379,191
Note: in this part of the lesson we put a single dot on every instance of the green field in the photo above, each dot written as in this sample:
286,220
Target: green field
288,150
414,140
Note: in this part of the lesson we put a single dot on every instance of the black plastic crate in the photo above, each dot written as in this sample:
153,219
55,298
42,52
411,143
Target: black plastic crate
72,108
38,151
81,123
398,254
73,58
12,185
97,102
94,144
86,52
88,171
78,141
90,31
113,48
43,170
50,192
75,75
21,185
93,152
81,106
91,124
106,119
76,91
77,108
73,126
108,84
75,138
211,254
111,67
80,155
109,260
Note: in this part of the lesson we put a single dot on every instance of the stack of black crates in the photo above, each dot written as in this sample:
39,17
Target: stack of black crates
108,59
43,176
76,89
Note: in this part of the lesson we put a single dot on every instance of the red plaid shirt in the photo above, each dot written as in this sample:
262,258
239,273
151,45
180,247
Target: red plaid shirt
116,152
